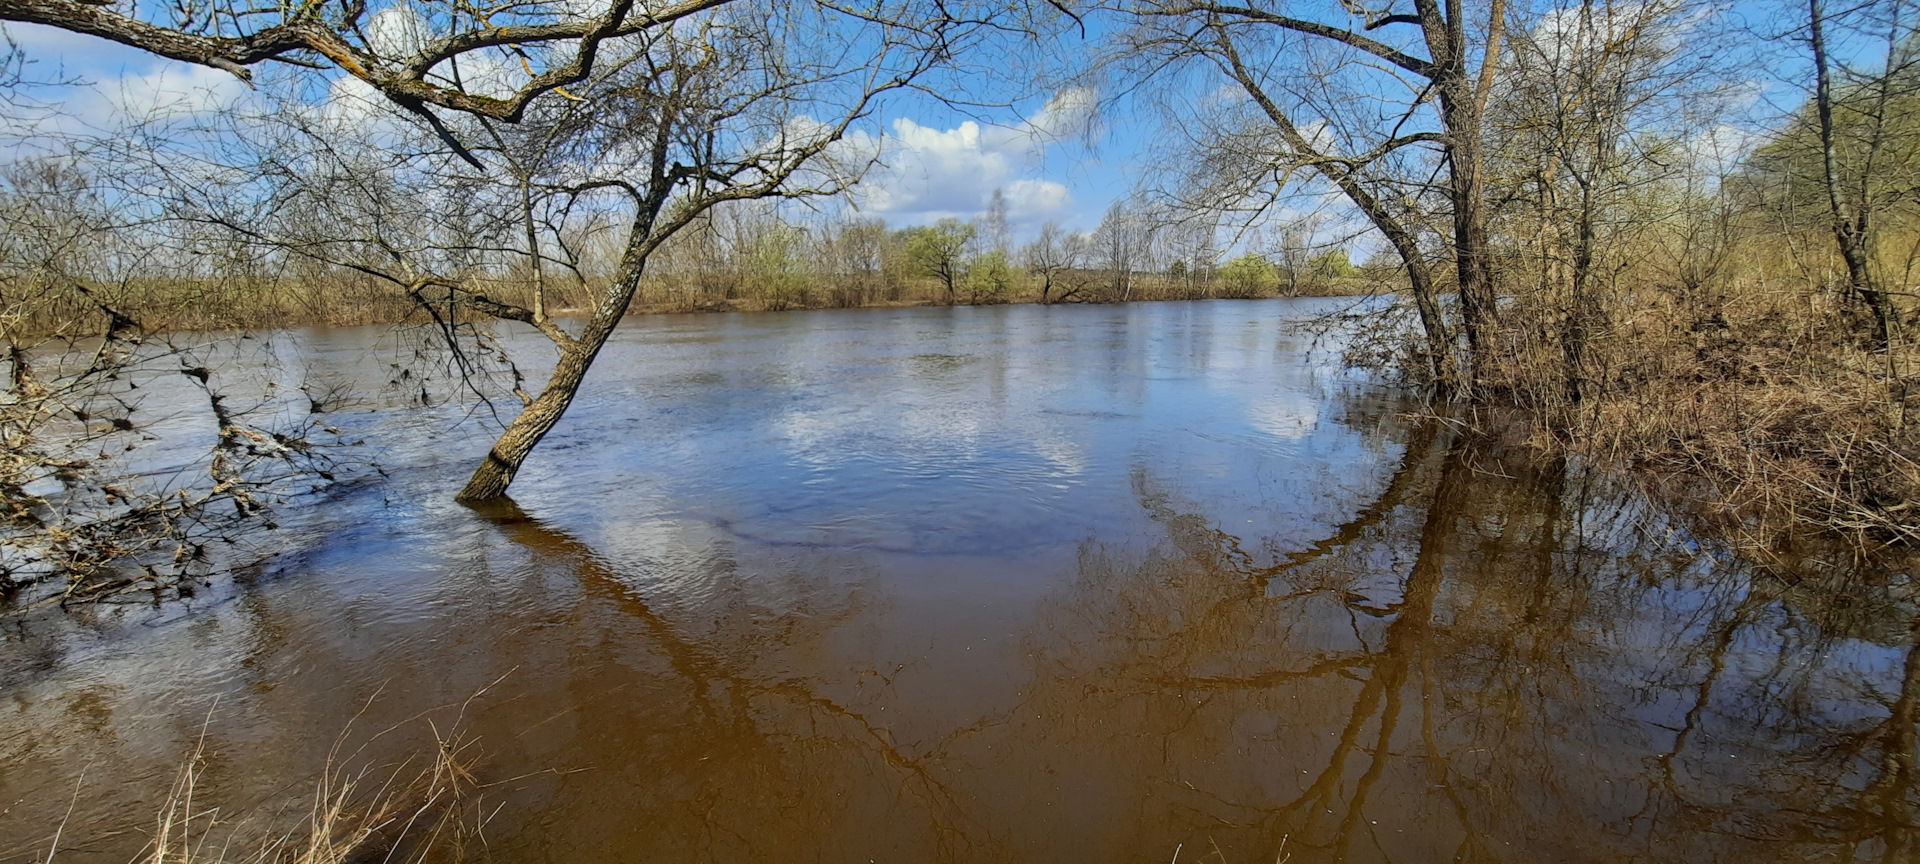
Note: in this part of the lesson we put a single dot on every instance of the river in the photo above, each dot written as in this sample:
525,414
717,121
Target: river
1126,583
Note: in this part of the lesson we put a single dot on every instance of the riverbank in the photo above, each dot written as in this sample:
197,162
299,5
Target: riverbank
1762,415
163,306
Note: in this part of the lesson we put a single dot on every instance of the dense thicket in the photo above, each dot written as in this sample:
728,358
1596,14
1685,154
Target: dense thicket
1689,283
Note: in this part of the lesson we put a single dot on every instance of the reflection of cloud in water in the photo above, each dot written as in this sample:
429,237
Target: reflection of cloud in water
808,437
1068,459
1284,415
1055,608
679,558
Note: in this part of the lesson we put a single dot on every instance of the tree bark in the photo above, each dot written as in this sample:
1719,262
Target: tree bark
1460,113
1850,231
496,473
1582,308
491,479
1479,310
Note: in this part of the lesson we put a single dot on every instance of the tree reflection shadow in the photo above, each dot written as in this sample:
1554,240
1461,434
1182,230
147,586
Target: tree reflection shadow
754,756
1487,663
1490,660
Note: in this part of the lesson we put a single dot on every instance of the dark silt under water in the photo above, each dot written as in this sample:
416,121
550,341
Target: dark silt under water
1015,584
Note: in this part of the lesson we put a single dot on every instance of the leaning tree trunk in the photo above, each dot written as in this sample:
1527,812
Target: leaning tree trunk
1441,366
1440,360
495,474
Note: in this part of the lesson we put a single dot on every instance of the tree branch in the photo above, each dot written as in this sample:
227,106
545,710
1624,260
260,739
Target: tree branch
1375,47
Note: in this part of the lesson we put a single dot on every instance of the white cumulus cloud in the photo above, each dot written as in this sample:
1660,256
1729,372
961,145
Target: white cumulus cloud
924,172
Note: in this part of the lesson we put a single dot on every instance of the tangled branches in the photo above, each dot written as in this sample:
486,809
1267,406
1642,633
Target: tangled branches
87,509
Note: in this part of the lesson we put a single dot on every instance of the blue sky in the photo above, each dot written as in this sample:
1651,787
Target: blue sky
939,160
1053,156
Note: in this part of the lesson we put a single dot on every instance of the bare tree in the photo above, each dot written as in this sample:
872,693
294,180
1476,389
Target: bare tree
1852,155
1294,251
1048,257
998,234
1422,115
1119,247
1191,241
1593,110
676,120
412,53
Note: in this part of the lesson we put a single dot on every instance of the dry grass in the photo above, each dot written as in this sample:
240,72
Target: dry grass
1759,408
425,808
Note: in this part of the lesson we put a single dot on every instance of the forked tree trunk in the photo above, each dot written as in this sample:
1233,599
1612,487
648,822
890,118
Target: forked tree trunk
1462,104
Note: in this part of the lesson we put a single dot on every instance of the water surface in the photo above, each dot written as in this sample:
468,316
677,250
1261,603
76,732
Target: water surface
1067,584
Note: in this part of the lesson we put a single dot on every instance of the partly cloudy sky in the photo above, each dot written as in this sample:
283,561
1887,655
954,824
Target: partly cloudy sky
1049,157
114,80
932,161
927,170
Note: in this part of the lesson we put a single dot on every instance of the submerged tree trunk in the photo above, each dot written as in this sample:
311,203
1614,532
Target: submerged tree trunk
1462,106
495,474
491,479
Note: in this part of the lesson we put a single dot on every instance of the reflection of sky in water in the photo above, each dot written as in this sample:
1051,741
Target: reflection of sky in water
998,431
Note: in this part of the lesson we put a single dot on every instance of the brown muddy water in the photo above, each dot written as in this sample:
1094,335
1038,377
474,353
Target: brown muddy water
1022,584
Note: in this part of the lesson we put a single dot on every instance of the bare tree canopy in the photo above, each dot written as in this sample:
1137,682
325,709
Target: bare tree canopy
410,53
420,55
1374,102
726,103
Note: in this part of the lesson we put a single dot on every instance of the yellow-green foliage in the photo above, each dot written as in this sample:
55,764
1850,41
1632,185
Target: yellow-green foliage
1249,275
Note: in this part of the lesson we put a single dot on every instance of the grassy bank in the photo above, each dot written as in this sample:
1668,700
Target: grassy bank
341,300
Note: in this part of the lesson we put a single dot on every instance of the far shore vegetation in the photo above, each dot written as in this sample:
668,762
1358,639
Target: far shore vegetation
746,260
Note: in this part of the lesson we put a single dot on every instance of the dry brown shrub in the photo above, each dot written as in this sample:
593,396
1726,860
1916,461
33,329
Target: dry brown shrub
1759,408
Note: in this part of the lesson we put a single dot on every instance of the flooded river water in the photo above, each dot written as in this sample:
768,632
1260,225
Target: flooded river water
1093,584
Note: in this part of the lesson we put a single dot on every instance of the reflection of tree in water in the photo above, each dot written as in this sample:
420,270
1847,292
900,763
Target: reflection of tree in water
741,755
1480,665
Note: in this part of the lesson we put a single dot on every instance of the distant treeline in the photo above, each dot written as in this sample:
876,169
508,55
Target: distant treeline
747,257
